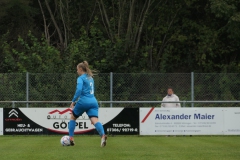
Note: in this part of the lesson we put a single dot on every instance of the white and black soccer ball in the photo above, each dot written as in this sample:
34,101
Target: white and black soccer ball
65,141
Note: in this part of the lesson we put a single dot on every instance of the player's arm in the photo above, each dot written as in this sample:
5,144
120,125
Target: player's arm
178,105
77,92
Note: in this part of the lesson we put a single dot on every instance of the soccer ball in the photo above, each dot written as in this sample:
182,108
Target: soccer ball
65,141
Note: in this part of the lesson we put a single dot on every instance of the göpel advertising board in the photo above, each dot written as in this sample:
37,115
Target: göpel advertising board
55,121
181,121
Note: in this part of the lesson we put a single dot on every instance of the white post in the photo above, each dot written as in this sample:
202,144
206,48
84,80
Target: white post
111,87
192,88
27,88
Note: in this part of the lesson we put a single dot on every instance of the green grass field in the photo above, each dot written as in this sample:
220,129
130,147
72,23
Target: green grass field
121,147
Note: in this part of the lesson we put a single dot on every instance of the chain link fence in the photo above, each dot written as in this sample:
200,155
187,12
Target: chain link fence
12,87
217,86
120,87
149,87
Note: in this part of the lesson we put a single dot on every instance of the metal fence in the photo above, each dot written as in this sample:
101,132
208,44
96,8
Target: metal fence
121,87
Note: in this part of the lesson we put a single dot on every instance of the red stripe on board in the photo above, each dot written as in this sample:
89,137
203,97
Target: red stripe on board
61,112
144,119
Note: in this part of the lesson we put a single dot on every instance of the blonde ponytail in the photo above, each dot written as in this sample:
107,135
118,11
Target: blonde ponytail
85,67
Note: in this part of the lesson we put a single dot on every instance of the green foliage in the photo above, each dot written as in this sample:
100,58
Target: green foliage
32,56
216,86
17,17
120,36
169,36
11,87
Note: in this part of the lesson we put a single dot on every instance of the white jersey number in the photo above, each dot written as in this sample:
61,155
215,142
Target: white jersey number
92,90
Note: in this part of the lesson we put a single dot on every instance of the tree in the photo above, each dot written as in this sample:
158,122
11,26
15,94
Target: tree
125,35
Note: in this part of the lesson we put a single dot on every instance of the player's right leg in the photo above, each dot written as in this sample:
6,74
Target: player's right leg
71,128
76,112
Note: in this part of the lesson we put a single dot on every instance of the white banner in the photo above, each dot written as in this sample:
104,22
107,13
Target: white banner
189,121
1,121
56,120
232,121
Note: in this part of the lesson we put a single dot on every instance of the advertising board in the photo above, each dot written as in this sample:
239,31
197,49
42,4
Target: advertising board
189,121
55,121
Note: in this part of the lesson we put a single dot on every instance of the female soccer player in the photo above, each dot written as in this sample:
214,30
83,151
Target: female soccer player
86,103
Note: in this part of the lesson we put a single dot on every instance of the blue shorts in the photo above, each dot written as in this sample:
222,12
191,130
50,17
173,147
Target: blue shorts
88,105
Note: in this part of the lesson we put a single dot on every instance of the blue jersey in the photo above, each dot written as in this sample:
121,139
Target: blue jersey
85,87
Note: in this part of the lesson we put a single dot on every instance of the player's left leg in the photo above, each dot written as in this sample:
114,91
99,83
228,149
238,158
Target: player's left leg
93,115
100,129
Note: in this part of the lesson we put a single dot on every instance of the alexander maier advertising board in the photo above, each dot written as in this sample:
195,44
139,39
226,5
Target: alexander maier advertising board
189,121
